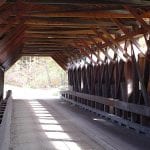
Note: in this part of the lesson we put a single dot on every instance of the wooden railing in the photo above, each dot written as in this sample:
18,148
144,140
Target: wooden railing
109,108
5,112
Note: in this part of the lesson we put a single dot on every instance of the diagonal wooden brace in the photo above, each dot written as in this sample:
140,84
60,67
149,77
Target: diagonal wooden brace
126,32
138,17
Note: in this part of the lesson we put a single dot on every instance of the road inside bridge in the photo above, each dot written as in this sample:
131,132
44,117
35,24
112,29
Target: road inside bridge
55,125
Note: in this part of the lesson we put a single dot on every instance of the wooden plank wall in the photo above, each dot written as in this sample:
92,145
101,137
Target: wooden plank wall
119,88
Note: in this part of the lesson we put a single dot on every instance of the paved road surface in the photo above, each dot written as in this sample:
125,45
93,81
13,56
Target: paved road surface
55,125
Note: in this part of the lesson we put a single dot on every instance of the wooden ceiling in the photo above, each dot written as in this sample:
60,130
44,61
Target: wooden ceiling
67,29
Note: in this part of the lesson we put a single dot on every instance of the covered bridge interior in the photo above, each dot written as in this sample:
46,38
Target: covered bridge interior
103,45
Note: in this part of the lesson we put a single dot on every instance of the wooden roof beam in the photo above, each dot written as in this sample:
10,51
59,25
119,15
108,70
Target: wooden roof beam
139,18
2,2
7,54
115,42
108,43
79,2
28,39
87,14
90,49
126,32
61,32
99,48
44,43
38,53
79,23
63,59
62,49
8,40
56,36
50,36
84,52
12,58
44,46
63,66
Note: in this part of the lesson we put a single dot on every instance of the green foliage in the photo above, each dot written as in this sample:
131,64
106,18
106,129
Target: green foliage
36,72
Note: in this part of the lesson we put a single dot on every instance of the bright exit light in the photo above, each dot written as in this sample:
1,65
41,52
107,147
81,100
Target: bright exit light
36,78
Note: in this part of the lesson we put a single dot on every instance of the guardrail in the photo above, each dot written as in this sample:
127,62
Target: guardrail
108,108
6,111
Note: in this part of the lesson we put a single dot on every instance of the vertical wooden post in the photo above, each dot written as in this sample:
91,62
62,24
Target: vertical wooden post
143,89
1,83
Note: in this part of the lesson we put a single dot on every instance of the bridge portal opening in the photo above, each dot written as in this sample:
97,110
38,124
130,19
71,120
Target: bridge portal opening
35,77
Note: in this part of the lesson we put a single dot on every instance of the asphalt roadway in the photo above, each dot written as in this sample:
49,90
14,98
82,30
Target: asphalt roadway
42,124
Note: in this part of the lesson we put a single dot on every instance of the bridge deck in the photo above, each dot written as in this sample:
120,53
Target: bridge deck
53,124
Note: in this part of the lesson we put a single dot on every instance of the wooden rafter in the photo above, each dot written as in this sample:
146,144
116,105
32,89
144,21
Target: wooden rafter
51,27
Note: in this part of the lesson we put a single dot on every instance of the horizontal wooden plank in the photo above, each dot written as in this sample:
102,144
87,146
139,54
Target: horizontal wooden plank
135,108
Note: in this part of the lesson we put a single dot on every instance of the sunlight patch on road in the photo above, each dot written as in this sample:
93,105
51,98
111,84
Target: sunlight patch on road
59,138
